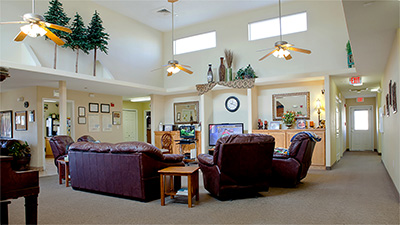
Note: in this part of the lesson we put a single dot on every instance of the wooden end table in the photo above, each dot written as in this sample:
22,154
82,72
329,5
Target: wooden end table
63,162
192,172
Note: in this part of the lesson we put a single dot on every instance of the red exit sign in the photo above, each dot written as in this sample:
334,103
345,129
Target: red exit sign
355,81
360,99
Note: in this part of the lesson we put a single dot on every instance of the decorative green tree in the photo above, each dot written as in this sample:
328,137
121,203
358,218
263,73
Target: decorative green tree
96,37
56,15
78,39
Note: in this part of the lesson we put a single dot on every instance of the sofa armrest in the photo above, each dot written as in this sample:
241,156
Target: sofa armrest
206,159
280,155
171,158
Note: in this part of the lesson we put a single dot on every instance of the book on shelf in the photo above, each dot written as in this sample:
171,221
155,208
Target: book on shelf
182,191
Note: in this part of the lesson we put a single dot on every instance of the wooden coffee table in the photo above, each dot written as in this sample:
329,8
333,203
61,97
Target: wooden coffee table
60,162
192,172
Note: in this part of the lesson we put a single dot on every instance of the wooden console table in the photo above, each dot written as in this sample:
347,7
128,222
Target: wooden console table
175,145
282,139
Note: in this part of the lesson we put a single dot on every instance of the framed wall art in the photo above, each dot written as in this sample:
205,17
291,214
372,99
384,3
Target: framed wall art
390,92
21,120
186,112
116,118
81,120
387,105
394,97
81,111
6,124
275,125
105,108
94,107
31,116
301,124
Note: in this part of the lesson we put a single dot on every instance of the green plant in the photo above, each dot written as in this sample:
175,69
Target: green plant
348,48
289,117
97,38
244,73
18,150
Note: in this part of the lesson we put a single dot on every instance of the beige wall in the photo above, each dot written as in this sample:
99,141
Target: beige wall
353,102
140,107
391,124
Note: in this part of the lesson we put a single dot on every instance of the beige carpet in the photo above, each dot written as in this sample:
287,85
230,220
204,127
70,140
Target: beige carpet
357,191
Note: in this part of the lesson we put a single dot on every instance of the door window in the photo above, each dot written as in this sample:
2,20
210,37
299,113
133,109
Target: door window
361,120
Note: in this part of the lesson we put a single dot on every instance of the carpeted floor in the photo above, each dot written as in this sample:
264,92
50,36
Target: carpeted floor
357,191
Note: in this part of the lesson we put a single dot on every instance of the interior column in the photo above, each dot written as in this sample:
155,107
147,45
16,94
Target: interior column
63,107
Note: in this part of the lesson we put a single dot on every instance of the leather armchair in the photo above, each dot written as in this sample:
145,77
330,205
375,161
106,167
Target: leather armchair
86,138
241,164
289,170
59,146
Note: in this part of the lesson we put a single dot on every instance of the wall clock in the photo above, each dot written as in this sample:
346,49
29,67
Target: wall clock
232,104
26,104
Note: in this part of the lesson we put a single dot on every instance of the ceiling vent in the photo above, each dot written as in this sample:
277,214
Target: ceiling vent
359,90
3,73
163,12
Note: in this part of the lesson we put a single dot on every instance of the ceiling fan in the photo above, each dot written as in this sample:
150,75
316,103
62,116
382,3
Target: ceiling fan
282,47
37,26
173,65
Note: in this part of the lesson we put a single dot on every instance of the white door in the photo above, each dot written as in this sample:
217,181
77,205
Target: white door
129,124
361,128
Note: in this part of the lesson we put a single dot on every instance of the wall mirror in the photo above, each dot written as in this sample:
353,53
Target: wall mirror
298,102
186,112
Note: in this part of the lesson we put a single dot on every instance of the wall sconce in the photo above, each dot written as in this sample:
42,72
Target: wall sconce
319,107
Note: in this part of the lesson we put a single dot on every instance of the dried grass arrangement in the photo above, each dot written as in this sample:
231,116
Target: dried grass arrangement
228,58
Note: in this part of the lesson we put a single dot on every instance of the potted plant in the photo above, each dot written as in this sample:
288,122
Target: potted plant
288,118
21,155
245,73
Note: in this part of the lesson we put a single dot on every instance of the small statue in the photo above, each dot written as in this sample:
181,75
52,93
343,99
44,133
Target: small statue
260,125
265,125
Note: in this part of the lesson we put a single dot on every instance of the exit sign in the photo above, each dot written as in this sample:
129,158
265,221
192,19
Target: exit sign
360,99
356,81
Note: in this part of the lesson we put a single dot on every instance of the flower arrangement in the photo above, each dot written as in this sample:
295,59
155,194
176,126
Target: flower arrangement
289,117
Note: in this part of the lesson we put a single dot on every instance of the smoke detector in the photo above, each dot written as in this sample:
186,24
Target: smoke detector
163,11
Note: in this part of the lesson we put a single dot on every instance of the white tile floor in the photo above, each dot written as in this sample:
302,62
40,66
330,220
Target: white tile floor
50,170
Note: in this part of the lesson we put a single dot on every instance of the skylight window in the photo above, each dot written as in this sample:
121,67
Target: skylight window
195,43
270,28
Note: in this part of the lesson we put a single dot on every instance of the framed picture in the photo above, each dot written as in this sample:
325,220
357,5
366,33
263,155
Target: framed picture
21,120
31,117
390,92
105,108
6,124
81,111
94,107
387,105
116,118
275,125
394,97
168,127
81,120
301,124
186,112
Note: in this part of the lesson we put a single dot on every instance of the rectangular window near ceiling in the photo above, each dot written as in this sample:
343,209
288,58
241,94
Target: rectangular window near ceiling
270,28
195,43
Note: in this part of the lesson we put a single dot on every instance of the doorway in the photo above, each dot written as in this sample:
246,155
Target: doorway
130,127
147,126
361,128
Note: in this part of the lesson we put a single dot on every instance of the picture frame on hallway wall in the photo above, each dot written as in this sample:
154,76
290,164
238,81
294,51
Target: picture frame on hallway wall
94,107
105,108
6,123
81,120
21,121
116,118
81,111
387,106
394,97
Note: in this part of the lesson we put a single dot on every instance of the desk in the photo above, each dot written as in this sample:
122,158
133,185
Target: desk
192,172
60,162
15,184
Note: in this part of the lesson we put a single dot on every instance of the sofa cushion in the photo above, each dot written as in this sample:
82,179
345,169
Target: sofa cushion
137,146
101,147
80,146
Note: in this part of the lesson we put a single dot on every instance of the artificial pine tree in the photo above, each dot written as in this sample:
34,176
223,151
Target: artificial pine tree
78,39
96,37
56,15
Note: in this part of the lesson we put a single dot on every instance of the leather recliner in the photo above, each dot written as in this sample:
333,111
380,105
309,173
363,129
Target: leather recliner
86,138
59,145
289,170
241,164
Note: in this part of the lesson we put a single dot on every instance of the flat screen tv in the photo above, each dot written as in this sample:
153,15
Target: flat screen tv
216,131
187,132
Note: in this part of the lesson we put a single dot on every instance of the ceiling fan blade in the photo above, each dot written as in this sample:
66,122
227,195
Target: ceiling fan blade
12,22
186,66
184,69
267,55
288,57
300,50
169,73
57,27
52,36
20,36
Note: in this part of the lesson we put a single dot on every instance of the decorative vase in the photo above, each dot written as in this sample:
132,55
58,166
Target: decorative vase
289,125
222,70
228,74
210,74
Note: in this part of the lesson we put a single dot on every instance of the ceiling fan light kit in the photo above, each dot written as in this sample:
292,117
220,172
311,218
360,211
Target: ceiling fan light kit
282,47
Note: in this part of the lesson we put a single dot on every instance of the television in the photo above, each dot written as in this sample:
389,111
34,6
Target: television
187,132
216,131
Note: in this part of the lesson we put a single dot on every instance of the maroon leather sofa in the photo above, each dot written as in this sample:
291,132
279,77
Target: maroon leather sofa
59,145
241,165
288,170
127,169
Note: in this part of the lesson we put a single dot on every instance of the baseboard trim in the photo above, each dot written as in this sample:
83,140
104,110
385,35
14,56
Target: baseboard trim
396,192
